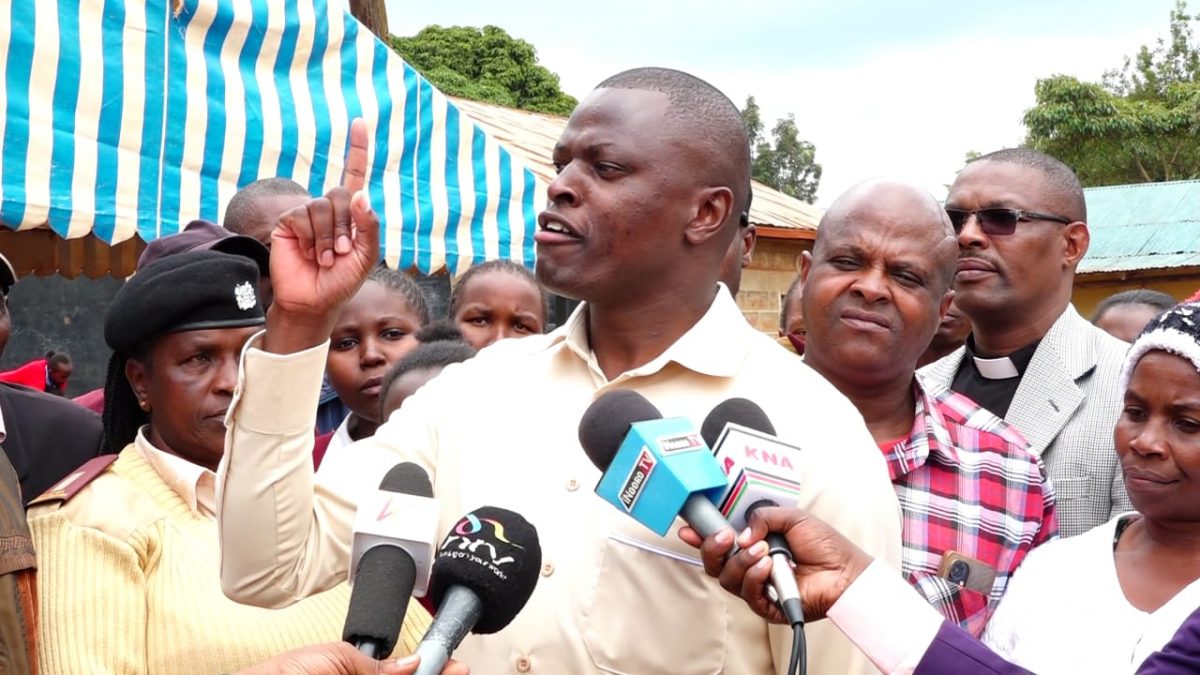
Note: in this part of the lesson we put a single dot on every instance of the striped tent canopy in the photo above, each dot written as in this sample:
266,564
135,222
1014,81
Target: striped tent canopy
126,118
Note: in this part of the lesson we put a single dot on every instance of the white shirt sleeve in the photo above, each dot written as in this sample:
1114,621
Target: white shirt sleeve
886,618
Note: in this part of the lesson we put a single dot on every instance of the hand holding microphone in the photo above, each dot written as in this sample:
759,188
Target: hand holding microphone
826,563
762,473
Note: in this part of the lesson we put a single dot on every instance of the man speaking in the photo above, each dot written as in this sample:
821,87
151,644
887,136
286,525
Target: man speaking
653,176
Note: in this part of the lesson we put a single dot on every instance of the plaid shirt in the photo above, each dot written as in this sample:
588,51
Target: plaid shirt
966,483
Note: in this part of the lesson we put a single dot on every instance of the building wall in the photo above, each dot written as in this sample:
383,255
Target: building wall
775,264
65,315
1090,291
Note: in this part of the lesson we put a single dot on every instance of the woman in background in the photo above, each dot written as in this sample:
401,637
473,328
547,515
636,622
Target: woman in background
1123,315
375,329
1102,601
128,550
496,300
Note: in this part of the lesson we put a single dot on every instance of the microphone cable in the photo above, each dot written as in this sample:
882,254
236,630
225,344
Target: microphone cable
798,665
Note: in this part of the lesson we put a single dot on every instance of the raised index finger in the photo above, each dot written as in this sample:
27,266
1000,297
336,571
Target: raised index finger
355,174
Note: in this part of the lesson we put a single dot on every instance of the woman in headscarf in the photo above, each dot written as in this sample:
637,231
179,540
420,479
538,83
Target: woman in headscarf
128,555
1103,601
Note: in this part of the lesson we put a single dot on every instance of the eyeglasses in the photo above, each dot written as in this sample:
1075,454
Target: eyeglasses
999,221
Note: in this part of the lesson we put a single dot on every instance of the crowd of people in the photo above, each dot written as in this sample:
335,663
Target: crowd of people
1020,474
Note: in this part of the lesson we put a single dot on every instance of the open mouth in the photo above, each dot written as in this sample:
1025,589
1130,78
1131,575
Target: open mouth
554,230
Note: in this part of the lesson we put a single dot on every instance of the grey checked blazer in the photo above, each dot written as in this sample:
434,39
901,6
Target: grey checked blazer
1066,406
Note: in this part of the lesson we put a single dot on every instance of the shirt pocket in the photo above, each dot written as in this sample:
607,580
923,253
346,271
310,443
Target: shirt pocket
1076,487
653,610
960,605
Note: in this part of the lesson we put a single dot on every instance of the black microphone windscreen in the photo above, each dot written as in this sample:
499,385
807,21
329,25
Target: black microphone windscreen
605,423
383,583
407,478
496,554
741,411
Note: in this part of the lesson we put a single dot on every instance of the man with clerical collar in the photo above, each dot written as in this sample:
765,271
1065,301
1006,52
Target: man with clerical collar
1021,219
876,286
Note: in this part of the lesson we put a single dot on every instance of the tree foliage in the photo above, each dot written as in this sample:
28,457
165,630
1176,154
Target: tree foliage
484,64
783,161
1139,124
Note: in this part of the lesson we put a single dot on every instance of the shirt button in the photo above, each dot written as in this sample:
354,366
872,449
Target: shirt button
523,664
547,569
572,485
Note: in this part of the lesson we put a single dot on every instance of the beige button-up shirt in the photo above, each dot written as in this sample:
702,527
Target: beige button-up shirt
501,429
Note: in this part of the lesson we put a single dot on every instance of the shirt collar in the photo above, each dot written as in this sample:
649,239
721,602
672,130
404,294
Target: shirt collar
1001,367
196,485
341,436
713,346
929,436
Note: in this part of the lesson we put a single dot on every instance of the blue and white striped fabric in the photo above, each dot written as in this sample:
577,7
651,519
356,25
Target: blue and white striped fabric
128,117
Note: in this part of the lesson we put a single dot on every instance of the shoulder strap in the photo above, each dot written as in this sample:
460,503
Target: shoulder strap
70,486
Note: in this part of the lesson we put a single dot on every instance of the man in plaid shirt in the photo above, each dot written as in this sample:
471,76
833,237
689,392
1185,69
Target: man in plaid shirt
975,501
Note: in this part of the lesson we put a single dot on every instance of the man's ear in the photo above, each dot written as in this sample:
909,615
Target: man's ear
137,374
749,235
806,263
947,300
1076,239
713,210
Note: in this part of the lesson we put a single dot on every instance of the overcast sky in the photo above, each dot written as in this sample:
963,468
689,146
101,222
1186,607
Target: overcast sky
882,88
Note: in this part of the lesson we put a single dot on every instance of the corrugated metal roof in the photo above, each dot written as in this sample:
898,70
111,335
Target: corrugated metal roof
531,136
1143,226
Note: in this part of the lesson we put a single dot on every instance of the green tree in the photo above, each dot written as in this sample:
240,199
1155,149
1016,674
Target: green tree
484,64
784,161
1139,124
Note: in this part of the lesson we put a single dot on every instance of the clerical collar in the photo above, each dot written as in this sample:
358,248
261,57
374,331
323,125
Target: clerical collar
1001,367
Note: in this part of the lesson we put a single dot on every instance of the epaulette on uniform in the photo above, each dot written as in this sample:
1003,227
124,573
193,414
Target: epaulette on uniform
65,489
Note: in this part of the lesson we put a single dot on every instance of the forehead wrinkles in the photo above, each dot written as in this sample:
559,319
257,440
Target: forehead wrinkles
875,230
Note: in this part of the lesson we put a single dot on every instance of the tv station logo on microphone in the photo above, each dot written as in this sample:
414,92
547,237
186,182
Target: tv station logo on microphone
469,540
669,444
635,483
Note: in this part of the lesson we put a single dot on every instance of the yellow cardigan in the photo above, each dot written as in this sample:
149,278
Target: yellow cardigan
128,583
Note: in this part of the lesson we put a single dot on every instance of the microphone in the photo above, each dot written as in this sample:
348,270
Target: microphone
762,472
486,569
394,528
654,469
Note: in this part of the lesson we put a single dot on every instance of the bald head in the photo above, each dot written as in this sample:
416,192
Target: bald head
908,210
704,120
876,285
